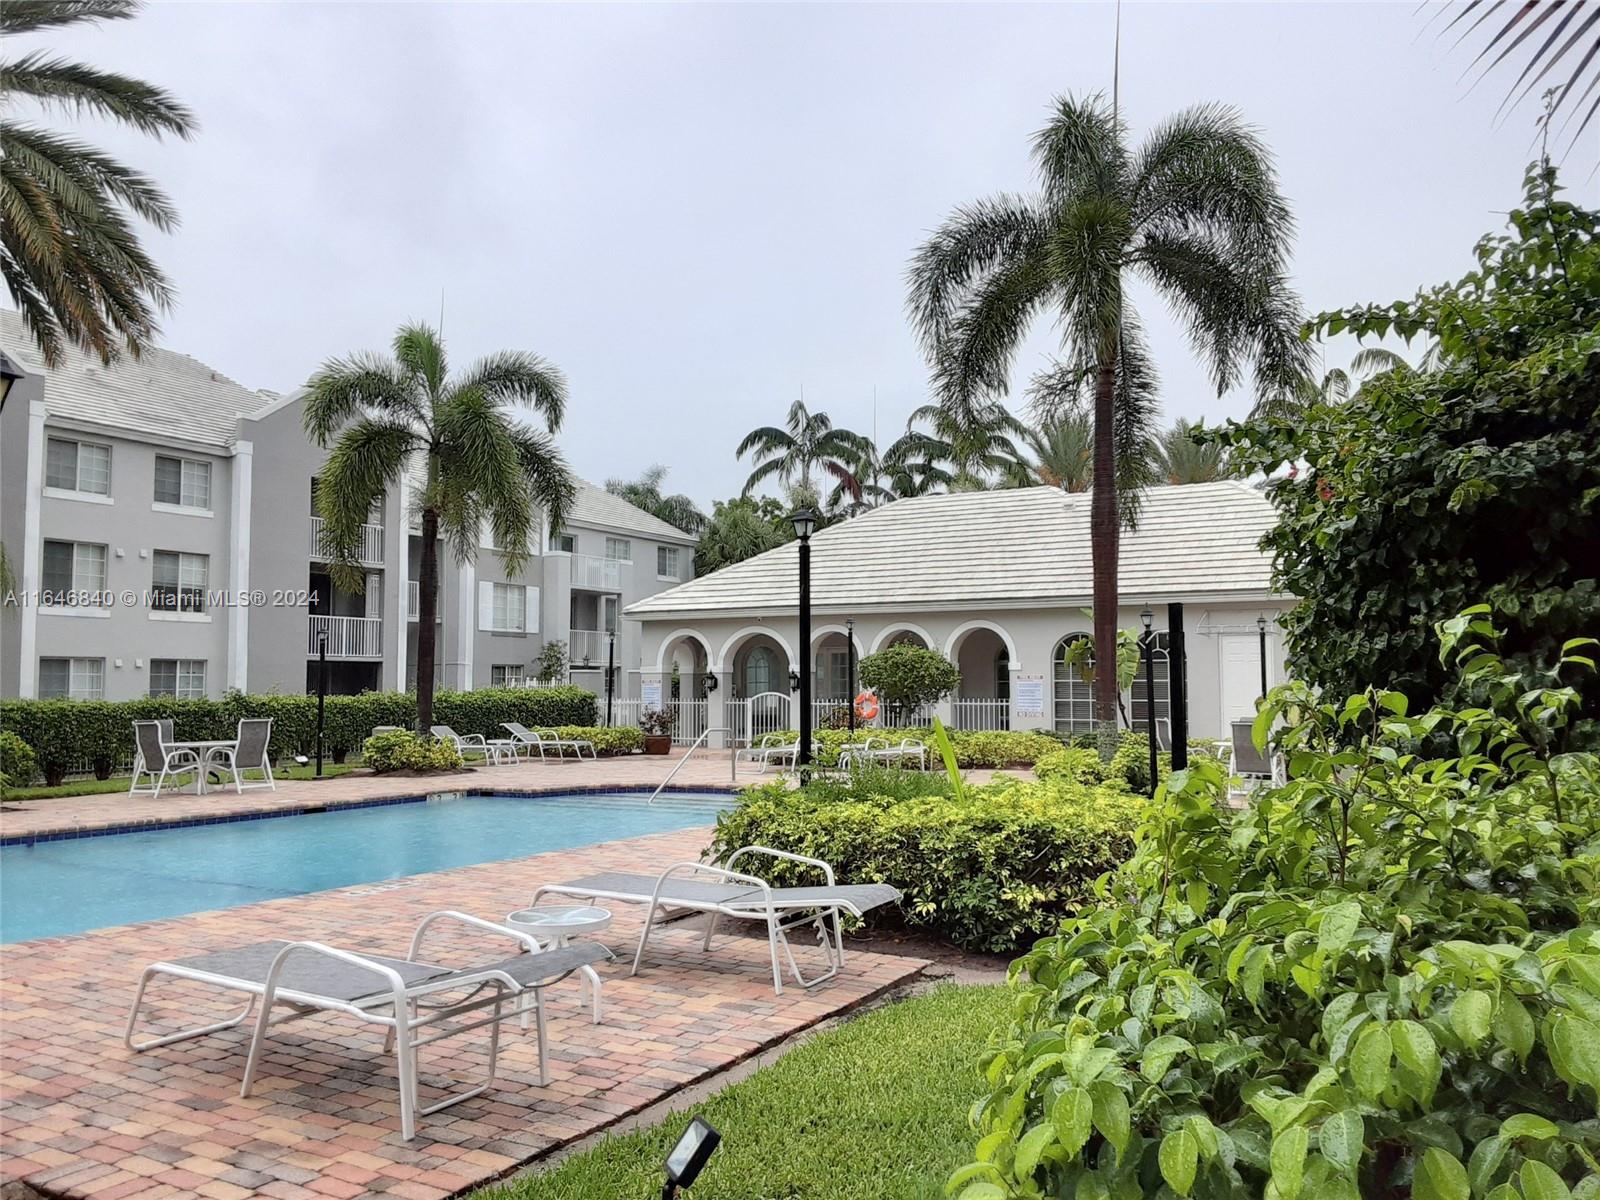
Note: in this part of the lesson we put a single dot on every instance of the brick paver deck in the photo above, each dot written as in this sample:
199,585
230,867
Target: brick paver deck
82,1116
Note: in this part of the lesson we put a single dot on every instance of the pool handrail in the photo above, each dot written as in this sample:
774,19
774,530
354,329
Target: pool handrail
733,776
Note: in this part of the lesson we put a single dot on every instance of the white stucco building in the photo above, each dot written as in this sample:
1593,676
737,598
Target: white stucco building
996,581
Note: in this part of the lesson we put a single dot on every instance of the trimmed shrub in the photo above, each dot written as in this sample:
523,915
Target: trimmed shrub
621,739
974,748
399,750
18,763
64,733
990,873
908,677
1129,766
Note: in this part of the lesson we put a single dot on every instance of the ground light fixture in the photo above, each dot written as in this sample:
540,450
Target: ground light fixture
805,524
1147,650
688,1157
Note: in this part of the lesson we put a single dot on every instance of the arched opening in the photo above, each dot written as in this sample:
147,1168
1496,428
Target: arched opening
983,701
1074,696
904,637
1161,675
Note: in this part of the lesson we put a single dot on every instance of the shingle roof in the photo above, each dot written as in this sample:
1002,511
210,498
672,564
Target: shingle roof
1023,544
599,508
161,393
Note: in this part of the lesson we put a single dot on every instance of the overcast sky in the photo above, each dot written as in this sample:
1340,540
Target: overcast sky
698,210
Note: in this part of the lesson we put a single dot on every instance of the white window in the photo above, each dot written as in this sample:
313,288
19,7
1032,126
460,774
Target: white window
179,581
77,466
503,607
667,562
184,678
567,543
1161,674
183,481
1074,698
72,678
74,574
619,549
507,675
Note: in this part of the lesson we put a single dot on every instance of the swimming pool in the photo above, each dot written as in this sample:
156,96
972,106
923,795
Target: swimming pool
49,888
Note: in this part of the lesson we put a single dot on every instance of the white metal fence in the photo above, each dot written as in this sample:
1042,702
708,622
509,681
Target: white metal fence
689,717
768,712
982,714
348,637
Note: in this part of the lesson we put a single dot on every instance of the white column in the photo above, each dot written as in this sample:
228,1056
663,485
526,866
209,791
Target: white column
242,469
467,626
32,555
397,555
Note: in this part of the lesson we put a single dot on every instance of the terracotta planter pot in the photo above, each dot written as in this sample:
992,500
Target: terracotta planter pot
658,743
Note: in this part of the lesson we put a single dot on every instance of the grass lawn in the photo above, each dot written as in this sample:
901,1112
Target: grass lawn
119,783
873,1110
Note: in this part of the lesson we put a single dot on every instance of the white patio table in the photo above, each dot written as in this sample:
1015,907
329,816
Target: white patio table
563,921
204,751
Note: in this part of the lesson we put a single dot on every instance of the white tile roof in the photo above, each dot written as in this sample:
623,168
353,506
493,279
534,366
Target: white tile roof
161,393
599,509
1018,545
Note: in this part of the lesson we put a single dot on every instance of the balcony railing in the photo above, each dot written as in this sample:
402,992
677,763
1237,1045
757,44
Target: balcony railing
414,603
587,646
370,551
596,573
348,637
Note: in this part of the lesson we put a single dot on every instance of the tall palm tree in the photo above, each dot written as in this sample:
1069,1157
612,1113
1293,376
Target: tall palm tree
1063,451
71,258
1194,212
645,492
971,451
478,464
808,443
1181,459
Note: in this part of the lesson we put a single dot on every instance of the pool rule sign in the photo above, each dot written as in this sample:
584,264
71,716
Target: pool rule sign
650,694
1027,696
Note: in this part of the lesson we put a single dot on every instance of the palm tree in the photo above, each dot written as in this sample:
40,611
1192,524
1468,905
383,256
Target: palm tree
737,530
478,465
1063,451
645,492
808,443
68,250
1182,459
970,452
1194,212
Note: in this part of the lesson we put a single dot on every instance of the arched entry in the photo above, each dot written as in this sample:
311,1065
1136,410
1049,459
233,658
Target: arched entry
903,634
685,663
985,655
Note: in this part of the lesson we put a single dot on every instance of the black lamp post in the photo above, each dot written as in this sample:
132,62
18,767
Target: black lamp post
850,673
611,670
322,691
1261,631
1147,649
805,524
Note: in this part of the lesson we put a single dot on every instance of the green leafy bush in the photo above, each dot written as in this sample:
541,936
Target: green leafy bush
908,677
621,739
64,733
988,873
401,750
974,748
1381,979
18,764
1476,479
1128,767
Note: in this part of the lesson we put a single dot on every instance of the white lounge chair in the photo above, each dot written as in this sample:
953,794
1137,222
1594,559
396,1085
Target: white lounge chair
543,739
764,748
248,753
493,752
401,995
881,750
744,896
158,760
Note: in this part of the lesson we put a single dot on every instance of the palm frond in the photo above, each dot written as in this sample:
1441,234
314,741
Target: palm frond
26,16
83,89
342,389
1080,151
420,351
513,376
367,460
550,482
482,477
977,240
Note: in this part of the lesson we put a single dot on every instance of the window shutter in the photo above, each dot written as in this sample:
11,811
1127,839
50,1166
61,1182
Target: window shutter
485,606
530,601
374,594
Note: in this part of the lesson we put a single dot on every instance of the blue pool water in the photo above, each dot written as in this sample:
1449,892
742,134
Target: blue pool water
58,887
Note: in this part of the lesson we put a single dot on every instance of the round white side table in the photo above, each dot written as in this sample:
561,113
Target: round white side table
560,923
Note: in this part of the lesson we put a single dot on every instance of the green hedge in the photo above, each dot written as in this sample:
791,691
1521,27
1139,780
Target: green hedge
1129,766
63,733
992,872
18,764
621,739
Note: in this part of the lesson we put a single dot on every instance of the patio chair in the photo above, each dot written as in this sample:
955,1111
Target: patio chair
492,752
249,753
401,995
760,750
523,737
1248,764
166,737
742,896
158,760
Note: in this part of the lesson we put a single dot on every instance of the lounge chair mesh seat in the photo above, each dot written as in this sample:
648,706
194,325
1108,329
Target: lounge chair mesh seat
722,891
345,981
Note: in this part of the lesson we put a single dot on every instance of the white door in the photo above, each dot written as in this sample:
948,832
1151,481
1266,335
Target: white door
1239,659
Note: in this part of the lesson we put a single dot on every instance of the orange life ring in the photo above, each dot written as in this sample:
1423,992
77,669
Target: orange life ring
866,706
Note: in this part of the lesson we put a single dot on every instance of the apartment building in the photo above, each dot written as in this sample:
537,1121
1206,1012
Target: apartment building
160,530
